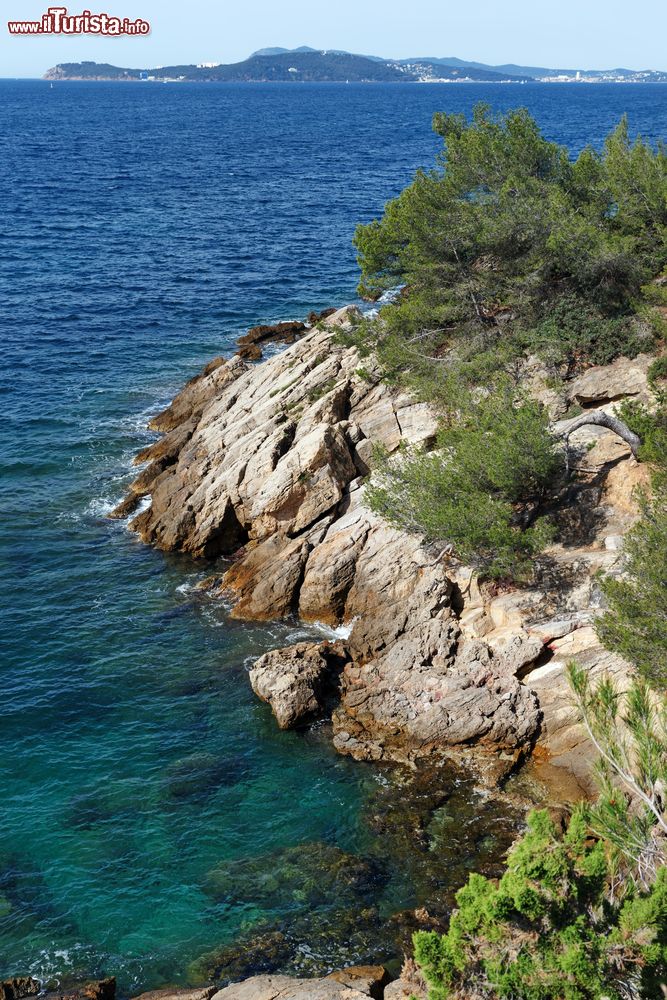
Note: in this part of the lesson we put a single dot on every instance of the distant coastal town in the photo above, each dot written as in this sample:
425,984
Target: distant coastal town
306,65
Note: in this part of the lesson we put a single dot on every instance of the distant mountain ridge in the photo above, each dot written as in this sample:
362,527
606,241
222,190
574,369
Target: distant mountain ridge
308,65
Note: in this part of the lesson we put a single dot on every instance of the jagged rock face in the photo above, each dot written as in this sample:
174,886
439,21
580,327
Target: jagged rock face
19,987
429,691
298,681
273,448
270,459
267,464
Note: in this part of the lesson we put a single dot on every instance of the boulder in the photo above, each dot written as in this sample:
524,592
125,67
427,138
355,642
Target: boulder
427,692
606,383
298,681
200,993
367,979
286,988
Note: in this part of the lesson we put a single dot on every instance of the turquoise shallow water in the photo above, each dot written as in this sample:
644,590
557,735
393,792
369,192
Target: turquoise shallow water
143,228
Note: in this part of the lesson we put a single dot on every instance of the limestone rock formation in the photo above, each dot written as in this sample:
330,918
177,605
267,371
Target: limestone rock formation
356,983
625,377
186,993
26,986
298,681
266,465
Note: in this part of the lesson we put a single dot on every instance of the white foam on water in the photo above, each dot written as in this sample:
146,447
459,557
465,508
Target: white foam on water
191,584
371,311
100,507
342,631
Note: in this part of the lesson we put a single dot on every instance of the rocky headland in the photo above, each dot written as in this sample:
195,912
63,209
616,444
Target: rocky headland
262,468
265,465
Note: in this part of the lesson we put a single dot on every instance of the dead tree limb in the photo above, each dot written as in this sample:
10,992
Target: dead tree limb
599,419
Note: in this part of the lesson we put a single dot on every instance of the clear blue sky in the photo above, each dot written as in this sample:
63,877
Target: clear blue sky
594,34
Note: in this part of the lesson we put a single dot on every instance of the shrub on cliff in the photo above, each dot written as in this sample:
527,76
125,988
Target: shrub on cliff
480,489
509,244
551,928
630,734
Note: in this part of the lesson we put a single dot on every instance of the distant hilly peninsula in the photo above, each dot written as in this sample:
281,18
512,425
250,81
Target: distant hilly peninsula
306,65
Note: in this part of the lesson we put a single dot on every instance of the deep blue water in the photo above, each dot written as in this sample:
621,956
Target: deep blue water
143,227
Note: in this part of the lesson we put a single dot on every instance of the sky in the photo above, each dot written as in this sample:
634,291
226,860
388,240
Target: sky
590,34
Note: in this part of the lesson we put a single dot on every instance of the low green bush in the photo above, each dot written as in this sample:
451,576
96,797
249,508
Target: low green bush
551,928
480,488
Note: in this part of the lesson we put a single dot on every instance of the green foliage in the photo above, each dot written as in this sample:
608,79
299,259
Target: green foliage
635,624
480,488
657,378
549,929
575,329
508,241
321,390
574,916
630,733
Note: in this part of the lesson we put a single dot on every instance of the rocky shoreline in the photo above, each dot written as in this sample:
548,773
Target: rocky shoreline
353,983
263,465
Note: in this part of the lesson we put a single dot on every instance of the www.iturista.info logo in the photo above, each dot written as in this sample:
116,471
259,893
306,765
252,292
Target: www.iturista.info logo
56,21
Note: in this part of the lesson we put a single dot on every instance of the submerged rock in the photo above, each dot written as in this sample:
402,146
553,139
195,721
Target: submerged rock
312,874
311,943
201,774
247,956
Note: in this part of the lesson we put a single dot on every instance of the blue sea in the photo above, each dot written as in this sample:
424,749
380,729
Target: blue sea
143,228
